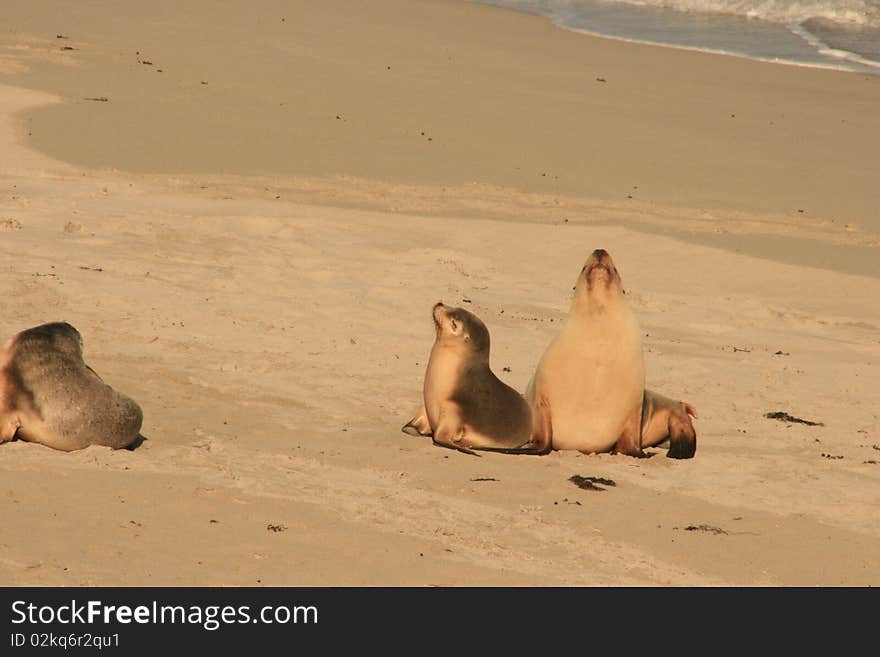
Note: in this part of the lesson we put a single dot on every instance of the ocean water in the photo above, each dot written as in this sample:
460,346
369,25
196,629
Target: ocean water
842,34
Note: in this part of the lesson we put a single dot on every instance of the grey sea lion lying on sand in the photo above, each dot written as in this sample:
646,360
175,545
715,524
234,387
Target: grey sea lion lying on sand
48,394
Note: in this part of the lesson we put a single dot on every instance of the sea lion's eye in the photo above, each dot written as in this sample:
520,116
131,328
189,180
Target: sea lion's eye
453,324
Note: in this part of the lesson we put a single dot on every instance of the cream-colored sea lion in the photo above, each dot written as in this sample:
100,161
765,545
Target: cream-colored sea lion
592,376
466,406
667,419
49,395
588,391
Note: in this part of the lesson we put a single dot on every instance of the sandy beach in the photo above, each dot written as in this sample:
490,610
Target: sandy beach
248,215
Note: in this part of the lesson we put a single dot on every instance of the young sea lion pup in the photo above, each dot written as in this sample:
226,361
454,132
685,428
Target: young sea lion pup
589,386
466,406
49,395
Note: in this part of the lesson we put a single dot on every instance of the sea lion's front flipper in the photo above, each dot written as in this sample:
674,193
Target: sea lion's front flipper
451,431
630,441
542,427
8,428
419,425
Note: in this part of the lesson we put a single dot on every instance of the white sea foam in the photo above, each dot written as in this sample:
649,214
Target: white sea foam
846,12
840,34
824,49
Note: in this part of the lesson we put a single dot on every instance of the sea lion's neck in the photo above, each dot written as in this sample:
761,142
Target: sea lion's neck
467,360
448,366
590,308
455,360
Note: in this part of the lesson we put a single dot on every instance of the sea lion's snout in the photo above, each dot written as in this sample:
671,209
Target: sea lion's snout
599,260
599,272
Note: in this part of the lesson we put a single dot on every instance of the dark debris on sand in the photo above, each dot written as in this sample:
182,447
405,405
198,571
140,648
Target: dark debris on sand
589,483
704,528
782,416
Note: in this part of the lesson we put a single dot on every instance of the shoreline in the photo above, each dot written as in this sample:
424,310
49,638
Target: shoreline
855,63
727,137
871,68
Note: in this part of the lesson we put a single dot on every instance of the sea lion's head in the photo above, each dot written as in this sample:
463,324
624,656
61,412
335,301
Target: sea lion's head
457,326
58,337
37,354
599,281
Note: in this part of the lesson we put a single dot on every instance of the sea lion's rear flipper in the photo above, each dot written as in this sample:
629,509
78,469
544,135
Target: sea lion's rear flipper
138,441
419,425
682,435
665,419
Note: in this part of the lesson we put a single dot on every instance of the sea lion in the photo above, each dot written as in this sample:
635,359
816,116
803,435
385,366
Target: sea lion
664,418
592,375
466,406
49,395
588,391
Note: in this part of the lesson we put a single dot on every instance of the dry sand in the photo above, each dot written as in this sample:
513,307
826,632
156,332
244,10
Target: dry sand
259,277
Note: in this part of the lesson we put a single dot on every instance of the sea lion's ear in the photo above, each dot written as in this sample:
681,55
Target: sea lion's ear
467,337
